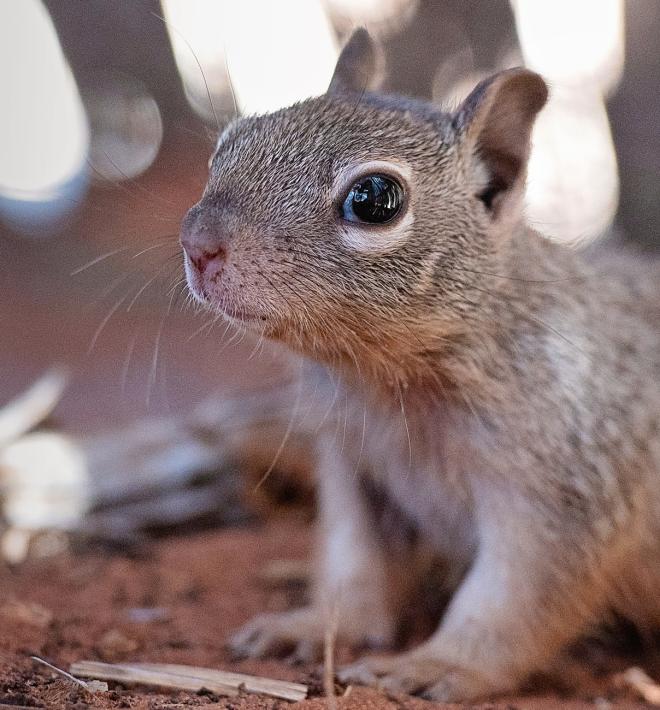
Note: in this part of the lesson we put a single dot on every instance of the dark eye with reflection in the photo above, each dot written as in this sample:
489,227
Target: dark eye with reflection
374,199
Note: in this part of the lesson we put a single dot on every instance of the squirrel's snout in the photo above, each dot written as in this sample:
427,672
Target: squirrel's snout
204,244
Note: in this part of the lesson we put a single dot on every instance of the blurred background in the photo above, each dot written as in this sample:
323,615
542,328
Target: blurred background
110,113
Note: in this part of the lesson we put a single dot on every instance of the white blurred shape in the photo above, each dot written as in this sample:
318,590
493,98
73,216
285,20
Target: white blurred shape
374,14
573,41
44,134
578,46
195,28
127,129
31,407
276,52
573,186
44,482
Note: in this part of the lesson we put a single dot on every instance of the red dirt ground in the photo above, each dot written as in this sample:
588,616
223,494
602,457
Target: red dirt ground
76,606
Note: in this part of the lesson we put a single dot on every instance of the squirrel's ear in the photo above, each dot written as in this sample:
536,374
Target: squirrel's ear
495,125
357,68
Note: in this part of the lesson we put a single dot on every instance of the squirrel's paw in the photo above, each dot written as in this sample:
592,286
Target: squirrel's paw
419,672
297,633
301,634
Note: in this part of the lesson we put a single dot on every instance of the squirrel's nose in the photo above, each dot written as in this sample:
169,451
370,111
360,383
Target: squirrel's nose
204,244
203,249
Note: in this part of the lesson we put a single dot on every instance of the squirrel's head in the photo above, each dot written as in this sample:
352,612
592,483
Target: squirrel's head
352,225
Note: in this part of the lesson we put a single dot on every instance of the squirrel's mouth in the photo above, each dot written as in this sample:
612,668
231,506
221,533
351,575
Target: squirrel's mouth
214,294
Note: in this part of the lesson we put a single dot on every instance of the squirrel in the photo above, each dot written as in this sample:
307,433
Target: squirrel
500,392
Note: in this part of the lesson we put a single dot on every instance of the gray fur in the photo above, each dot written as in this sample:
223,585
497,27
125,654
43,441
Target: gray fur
503,391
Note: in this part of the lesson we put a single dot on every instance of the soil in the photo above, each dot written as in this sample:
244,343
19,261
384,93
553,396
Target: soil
80,606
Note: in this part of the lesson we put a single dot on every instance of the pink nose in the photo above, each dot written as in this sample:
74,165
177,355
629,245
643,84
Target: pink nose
205,243
203,249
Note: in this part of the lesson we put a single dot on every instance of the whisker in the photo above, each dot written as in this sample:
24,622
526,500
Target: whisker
205,137
159,271
204,326
257,346
208,92
151,379
169,305
237,334
97,260
356,470
160,245
519,279
285,438
231,85
405,422
127,363
117,185
136,185
521,312
112,286
282,296
179,282
343,436
179,288
228,326
144,288
104,322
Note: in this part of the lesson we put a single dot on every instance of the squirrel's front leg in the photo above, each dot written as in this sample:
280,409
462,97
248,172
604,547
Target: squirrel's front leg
350,584
525,597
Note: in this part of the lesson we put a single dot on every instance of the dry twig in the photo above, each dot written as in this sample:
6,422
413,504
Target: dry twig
330,639
639,681
192,678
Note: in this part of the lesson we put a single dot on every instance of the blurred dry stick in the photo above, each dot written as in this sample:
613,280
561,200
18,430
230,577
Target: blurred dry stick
168,675
152,474
642,684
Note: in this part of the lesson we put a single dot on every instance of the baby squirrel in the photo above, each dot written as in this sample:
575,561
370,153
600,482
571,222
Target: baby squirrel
500,392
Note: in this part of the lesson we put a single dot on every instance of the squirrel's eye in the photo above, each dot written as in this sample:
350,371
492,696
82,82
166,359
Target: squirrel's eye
374,199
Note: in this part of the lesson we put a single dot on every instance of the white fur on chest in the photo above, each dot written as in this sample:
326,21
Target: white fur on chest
417,464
